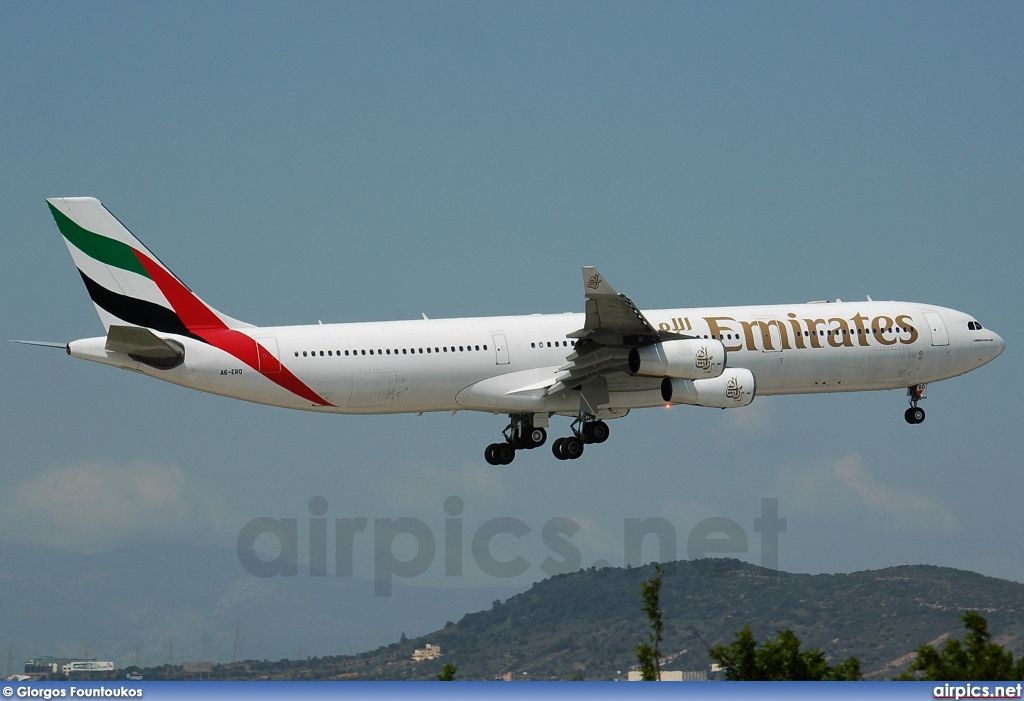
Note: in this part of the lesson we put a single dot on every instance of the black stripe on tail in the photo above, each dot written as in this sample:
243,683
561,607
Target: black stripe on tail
136,311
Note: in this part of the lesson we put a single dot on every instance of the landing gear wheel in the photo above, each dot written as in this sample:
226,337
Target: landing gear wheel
537,437
499,454
914,415
595,432
504,453
491,454
572,447
556,449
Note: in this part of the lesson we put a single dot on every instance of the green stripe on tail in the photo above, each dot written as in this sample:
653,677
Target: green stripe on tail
103,249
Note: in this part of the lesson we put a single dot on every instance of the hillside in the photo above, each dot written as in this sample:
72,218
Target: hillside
588,622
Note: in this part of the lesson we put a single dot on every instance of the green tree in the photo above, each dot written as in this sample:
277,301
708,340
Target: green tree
779,659
975,658
648,654
447,673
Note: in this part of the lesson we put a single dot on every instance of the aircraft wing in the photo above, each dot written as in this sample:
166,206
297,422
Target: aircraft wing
612,319
612,327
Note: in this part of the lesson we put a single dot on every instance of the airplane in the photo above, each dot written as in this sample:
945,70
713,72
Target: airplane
590,367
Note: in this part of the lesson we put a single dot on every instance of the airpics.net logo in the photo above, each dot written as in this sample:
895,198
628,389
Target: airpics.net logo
712,536
977,691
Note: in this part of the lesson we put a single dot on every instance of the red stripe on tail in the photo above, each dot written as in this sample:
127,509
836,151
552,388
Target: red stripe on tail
200,320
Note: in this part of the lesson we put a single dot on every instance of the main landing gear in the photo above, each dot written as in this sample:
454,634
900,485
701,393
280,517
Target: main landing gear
584,431
520,434
915,414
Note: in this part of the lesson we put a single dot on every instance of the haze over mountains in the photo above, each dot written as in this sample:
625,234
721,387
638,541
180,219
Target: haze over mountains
155,600
147,596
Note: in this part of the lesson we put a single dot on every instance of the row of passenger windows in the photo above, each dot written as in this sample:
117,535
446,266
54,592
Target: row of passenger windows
396,351
821,332
566,344
730,336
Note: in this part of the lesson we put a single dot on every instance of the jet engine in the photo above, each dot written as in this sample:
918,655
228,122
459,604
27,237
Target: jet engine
687,358
734,388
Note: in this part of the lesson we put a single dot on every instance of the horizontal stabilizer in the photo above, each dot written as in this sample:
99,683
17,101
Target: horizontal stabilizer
145,346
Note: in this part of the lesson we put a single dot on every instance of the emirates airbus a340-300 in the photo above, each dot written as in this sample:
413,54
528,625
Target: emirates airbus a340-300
591,367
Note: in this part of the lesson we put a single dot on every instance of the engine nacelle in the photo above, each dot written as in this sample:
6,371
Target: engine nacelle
685,358
734,388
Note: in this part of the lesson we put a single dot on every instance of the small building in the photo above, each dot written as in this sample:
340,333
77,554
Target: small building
672,676
43,667
196,670
76,666
431,652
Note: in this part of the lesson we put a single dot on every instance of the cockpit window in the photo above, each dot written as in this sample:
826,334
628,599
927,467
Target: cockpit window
974,326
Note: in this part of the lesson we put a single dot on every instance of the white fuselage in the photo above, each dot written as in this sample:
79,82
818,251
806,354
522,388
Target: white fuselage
504,364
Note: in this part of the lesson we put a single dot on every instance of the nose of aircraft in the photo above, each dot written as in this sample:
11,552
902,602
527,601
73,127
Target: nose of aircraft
1000,344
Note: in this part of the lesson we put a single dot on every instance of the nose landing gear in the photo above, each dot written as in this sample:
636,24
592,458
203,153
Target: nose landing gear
915,414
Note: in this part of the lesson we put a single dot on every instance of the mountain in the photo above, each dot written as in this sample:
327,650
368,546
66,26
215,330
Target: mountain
158,599
588,623
155,597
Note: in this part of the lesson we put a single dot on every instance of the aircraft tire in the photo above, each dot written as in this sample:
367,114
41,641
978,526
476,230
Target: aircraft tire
572,447
914,415
556,448
489,454
504,453
537,437
596,432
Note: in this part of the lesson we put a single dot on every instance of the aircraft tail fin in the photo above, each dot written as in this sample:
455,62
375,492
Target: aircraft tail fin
127,283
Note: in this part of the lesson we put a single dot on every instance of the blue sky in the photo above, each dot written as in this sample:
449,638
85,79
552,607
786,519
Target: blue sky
352,162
